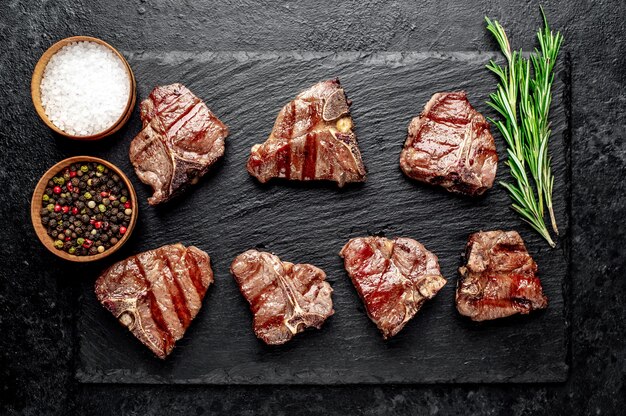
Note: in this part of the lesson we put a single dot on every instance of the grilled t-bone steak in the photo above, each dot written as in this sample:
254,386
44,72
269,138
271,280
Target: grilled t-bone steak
312,138
157,293
393,278
180,140
499,278
285,298
450,145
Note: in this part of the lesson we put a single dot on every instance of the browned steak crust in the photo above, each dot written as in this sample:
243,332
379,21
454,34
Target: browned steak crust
157,293
450,145
499,278
393,278
312,138
285,298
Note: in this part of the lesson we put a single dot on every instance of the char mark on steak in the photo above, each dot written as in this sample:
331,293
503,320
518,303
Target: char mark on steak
450,145
499,278
285,298
180,140
312,138
156,294
393,278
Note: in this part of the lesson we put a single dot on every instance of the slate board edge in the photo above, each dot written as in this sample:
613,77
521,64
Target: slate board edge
559,374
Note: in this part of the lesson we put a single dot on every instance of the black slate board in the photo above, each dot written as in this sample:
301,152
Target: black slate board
229,212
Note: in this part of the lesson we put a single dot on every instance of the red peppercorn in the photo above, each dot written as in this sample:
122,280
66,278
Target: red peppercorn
104,194
56,189
87,243
68,238
72,173
122,230
69,186
92,221
127,204
65,209
112,197
98,224
74,211
57,208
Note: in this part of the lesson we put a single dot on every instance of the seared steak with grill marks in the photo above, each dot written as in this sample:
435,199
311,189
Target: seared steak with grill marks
285,298
450,145
393,278
312,138
157,293
180,140
499,278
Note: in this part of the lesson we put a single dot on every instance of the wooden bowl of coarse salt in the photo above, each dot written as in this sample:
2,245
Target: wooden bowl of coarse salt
83,88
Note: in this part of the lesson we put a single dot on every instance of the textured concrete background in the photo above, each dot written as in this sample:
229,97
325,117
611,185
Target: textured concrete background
37,312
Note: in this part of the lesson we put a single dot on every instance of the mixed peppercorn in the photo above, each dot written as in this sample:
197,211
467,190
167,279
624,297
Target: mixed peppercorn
86,209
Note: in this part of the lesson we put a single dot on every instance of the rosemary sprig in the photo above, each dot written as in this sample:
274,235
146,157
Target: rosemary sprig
523,102
543,61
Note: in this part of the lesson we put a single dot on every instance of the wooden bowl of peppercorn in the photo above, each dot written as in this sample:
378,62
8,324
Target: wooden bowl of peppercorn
89,199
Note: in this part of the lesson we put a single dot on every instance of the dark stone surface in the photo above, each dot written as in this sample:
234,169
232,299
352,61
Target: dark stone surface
38,294
230,212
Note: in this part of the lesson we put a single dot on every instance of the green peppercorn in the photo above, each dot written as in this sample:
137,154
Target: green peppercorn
87,195
100,168
80,241
61,181
84,168
50,207
102,207
123,199
45,197
72,250
58,244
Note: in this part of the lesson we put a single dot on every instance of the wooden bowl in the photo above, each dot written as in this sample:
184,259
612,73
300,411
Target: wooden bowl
35,209
35,88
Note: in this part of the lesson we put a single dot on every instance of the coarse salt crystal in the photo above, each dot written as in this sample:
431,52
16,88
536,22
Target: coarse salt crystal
85,88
